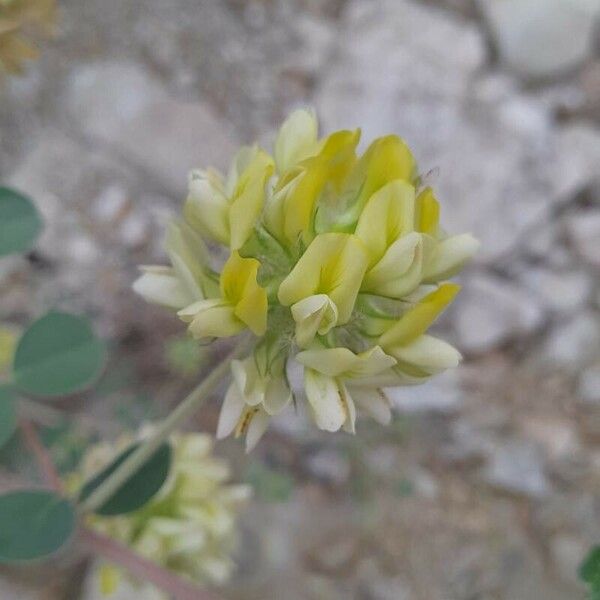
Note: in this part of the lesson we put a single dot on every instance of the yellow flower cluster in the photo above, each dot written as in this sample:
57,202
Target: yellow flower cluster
335,259
189,527
19,19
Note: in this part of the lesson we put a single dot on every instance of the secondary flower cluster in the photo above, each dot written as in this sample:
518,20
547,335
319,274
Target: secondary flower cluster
334,259
189,526
19,19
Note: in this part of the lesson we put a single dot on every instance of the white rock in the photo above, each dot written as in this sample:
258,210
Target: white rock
560,291
579,157
584,232
542,37
491,311
329,465
83,249
122,105
573,344
170,138
439,394
111,204
134,230
103,96
557,436
588,387
517,467
479,134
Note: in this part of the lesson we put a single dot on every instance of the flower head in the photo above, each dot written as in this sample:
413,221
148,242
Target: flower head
19,19
336,260
189,526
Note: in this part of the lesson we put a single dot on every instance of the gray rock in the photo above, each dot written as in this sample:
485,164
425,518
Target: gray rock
584,232
492,311
558,437
574,343
111,204
559,291
102,97
386,588
539,38
517,467
579,157
588,387
329,465
479,133
121,105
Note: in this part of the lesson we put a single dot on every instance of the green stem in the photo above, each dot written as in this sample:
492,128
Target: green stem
148,447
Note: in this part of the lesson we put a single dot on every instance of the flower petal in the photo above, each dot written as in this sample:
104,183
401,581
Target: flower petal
207,207
449,256
315,314
342,362
418,319
328,405
256,429
249,198
278,395
428,353
189,257
374,402
389,214
400,270
297,139
333,264
211,318
231,411
427,213
160,285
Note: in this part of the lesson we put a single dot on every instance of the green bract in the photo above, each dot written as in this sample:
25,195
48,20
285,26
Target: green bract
59,354
35,523
138,489
20,223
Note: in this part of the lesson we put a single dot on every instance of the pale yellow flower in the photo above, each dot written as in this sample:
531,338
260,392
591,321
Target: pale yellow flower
259,391
337,260
226,210
189,526
243,303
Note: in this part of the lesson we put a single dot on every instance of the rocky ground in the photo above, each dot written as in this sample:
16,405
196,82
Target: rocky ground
487,486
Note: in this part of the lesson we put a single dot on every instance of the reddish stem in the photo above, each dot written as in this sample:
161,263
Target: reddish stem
42,456
143,569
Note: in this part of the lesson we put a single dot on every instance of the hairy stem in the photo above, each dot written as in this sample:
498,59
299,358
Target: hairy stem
148,447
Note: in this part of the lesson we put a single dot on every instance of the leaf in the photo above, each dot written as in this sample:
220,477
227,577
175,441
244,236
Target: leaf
58,355
20,222
138,489
589,571
35,523
8,414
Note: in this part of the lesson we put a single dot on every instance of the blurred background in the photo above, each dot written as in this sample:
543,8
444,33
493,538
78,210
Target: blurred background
487,484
